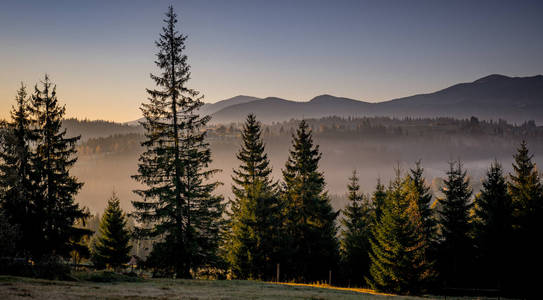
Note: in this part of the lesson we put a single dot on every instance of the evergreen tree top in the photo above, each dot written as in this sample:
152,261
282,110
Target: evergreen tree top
525,171
20,115
255,160
304,156
493,203
456,185
354,189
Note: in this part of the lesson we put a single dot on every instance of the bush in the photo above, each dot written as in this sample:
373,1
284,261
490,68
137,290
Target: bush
51,268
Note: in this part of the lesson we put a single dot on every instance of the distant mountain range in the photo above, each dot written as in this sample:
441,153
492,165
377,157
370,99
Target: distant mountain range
515,99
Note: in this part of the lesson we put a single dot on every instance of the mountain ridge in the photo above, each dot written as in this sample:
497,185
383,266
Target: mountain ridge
496,96
515,99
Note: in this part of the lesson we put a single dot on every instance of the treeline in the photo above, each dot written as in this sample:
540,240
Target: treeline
392,240
470,135
340,127
88,129
113,144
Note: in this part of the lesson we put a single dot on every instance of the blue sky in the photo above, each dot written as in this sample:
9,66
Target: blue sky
100,53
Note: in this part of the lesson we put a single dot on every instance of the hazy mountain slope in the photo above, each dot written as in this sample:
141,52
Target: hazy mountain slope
276,109
211,108
515,99
97,128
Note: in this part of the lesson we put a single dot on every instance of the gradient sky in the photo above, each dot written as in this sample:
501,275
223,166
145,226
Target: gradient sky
100,53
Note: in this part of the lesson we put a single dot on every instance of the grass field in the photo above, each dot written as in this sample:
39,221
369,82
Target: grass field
27,288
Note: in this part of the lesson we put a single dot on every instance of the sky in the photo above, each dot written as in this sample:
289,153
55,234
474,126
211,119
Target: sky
100,53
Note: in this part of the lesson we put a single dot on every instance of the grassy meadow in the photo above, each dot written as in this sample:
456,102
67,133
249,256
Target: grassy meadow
27,288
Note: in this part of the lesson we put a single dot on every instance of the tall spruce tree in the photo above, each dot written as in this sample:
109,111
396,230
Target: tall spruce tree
421,191
397,257
111,248
356,232
310,225
493,229
526,191
55,209
178,205
455,250
15,172
256,219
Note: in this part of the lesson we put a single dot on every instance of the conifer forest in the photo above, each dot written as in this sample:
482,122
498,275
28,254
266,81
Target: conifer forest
206,198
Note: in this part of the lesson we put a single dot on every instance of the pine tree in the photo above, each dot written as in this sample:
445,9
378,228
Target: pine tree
256,211
493,228
526,192
378,201
356,233
397,246
15,171
424,200
112,247
178,205
421,215
311,229
455,250
55,210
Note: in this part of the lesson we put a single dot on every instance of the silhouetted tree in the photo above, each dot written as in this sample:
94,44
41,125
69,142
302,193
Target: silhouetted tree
311,229
423,197
111,248
378,201
178,204
55,209
256,221
493,229
355,235
455,253
526,192
15,173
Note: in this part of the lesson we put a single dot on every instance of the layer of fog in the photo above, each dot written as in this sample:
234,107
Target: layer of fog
104,173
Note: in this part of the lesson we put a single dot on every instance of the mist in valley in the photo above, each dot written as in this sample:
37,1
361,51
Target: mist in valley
107,163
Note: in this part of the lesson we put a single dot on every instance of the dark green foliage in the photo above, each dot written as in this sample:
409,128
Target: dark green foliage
526,192
355,235
111,247
398,262
9,235
493,229
378,200
311,229
424,217
79,244
423,197
16,172
455,253
255,225
178,205
55,210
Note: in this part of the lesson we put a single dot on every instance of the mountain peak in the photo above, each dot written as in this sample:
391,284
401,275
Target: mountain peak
323,98
490,78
